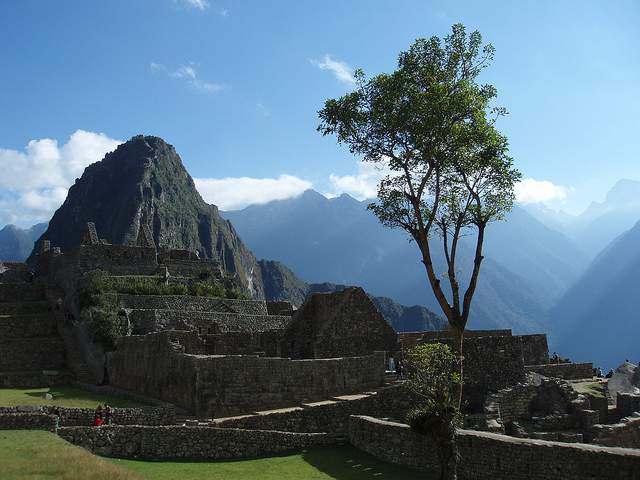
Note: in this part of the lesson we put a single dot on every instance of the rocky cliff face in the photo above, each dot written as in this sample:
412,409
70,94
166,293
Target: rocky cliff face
144,182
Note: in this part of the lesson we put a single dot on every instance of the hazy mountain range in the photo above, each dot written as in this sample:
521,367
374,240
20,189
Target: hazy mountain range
528,265
539,274
601,222
598,319
16,243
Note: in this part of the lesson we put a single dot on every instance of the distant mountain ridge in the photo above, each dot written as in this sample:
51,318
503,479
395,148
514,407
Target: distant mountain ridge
601,222
599,317
16,243
281,283
338,240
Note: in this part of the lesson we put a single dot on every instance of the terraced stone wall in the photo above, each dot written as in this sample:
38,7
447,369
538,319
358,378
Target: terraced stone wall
189,443
567,371
161,366
26,421
487,456
190,303
155,320
22,354
625,433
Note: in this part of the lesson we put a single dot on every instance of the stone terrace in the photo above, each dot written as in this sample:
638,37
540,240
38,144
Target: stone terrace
31,351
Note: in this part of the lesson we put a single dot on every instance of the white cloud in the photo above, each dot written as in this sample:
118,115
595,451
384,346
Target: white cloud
341,70
530,190
363,185
237,193
197,4
34,181
190,75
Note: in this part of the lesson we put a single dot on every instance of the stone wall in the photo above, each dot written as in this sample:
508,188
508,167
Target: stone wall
74,417
567,371
329,416
27,326
154,320
627,404
26,421
546,404
493,359
34,379
535,350
115,259
345,323
20,292
189,443
184,303
160,366
491,456
22,354
490,364
625,433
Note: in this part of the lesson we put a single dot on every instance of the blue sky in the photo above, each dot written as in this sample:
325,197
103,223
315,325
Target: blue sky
235,86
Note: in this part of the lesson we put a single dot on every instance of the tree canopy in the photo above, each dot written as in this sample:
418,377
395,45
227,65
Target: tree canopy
432,127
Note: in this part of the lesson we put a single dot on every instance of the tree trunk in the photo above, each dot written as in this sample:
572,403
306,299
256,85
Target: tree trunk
448,458
458,335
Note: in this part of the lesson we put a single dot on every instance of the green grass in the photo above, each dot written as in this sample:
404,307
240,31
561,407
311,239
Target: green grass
595,389
62,397
35,455
338,463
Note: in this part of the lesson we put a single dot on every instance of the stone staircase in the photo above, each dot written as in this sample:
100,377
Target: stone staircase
32,354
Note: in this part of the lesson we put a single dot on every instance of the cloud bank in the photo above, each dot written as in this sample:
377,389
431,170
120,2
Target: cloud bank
530,190
236,193
363,185
34,181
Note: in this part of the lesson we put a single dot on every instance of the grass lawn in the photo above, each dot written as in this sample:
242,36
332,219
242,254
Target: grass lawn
37,455
30,455
62,397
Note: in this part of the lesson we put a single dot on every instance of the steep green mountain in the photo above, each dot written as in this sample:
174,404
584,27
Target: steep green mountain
527,264
16,243
144,182
280,283
598,319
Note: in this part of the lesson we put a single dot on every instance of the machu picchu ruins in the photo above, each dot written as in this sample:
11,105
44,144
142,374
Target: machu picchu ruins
319,241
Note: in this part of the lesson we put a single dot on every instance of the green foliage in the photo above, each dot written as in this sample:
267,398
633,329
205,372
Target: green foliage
106,326
434,378
432,126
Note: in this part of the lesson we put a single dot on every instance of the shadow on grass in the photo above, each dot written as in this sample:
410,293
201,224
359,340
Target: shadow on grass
349,463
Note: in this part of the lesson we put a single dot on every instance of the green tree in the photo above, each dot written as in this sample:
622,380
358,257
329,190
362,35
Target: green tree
434,379
431,125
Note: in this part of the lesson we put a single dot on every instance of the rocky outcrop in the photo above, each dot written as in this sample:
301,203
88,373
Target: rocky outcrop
143,182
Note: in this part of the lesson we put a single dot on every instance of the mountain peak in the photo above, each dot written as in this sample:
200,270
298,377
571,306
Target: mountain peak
624,191
143,181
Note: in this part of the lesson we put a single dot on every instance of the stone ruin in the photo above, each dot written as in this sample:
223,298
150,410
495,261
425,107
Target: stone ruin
302,377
